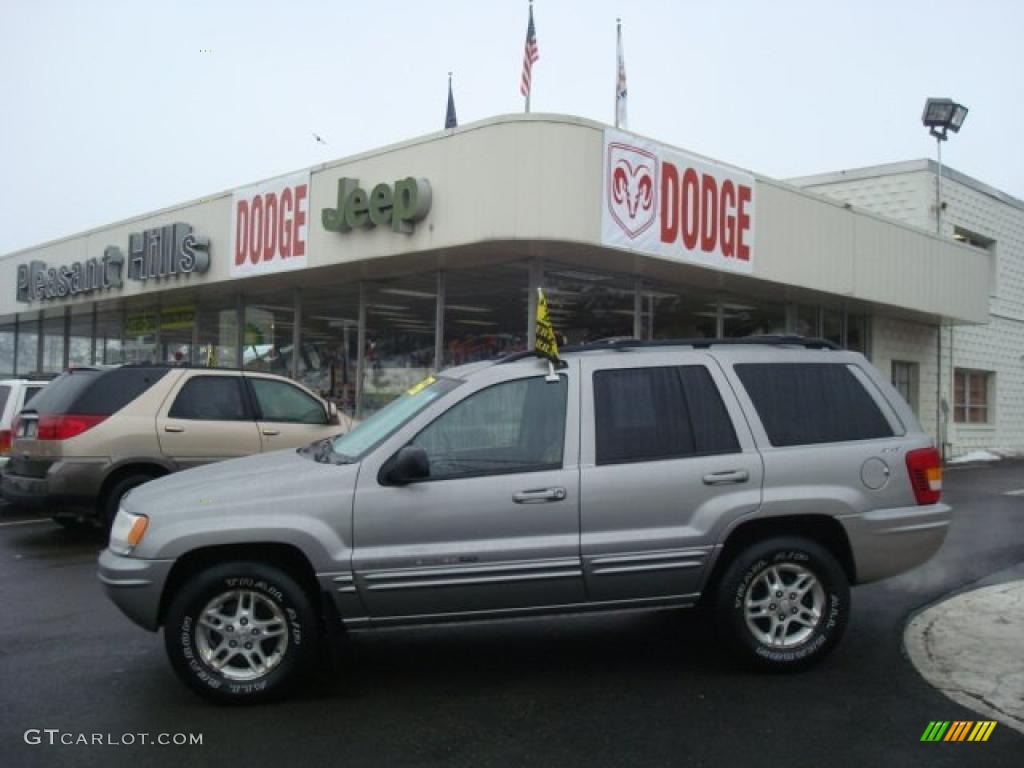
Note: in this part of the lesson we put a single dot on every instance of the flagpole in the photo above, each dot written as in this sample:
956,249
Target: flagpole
530,89
618,64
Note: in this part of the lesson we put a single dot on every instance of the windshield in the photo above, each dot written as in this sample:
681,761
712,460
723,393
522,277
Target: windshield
353,444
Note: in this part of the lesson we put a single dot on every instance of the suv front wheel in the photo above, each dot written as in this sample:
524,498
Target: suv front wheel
783,603
241,632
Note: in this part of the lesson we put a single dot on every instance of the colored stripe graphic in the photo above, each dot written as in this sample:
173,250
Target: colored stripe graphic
959,730
982,730
935,730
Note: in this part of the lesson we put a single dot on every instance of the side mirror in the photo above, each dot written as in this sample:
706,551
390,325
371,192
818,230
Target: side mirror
332,415
409,464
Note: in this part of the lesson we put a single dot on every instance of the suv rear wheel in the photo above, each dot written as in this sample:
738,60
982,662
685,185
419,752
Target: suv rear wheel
111,500
783,604
241,632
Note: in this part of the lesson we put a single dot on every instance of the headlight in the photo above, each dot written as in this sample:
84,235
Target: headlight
127,532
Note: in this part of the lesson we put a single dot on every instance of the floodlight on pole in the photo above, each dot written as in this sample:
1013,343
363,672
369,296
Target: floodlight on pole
941,116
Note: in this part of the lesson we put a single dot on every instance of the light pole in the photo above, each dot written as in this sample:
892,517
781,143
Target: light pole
941,116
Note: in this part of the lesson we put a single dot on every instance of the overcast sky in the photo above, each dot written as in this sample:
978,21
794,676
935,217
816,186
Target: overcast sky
112,109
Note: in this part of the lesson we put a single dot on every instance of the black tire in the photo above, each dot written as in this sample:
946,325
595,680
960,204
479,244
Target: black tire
806,635
111,500
287,661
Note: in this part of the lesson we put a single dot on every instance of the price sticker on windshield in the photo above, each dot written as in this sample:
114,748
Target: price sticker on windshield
417,388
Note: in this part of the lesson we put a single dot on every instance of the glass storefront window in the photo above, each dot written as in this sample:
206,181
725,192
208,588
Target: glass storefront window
832,326
807,321
80,338
681,313
400,323
330,343
28,345
109,350
53,341
140,328
743,316
218,334
485,314
7,350
587,306
268,334
177,323
857,333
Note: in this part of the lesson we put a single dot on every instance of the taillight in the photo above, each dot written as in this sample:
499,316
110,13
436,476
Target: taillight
5,441
925,469
65,426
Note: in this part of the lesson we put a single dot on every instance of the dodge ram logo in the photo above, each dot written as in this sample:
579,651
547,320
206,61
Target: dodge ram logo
632,187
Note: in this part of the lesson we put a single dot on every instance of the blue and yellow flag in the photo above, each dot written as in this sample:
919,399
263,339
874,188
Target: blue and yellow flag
546,345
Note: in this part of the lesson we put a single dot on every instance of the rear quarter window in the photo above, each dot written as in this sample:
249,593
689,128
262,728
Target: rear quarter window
812,403
5,392
95,392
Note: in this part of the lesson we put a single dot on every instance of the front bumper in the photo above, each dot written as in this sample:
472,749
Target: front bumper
135,586
886,542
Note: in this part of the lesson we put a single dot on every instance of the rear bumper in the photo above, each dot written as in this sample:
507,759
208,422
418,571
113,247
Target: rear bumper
67,484
135,586
886,542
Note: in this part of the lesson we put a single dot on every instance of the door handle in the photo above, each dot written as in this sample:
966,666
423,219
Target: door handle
271,432
173,428
728,477
539,495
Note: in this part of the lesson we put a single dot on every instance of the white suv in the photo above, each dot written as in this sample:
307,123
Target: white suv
14,394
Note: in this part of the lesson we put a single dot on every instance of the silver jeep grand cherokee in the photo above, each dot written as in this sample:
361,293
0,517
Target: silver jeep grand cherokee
762,477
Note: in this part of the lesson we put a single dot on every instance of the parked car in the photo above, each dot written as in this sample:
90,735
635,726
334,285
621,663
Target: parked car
762,478
93,435
14,394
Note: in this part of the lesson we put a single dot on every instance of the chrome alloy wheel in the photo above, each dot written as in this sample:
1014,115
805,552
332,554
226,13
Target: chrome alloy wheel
783,605
241,634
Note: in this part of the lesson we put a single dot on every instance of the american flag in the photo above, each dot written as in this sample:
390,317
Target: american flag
530,55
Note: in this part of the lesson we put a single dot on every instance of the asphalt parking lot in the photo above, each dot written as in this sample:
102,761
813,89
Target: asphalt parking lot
634,689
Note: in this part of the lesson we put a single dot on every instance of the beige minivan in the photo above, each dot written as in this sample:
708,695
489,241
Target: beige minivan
91,436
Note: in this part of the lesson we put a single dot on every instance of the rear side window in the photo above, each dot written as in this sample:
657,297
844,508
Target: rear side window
809,403
646,414
30,392
210,398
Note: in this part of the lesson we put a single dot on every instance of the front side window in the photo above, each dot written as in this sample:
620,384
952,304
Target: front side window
516,426
647,414
210,398
810,403
280,401
971,396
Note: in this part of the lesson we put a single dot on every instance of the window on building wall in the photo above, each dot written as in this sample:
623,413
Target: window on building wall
807,321
905,380
217,335
747,316
832,325
53,341
141,323
109,328
678,312
7,337
485,314
972,396
986,244
329,350
400,324
857,333
177,325
587,306
268,336
80,338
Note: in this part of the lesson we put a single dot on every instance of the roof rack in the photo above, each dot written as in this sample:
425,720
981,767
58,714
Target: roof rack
620,342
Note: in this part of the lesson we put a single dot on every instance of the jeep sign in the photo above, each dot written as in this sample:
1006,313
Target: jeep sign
670,204
399,206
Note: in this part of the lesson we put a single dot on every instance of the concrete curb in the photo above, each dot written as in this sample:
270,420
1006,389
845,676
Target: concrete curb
970,646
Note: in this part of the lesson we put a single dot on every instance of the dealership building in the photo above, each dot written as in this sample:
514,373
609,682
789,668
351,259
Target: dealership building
360,276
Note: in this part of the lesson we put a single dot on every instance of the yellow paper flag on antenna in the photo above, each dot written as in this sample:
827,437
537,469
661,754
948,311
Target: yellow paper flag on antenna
546,345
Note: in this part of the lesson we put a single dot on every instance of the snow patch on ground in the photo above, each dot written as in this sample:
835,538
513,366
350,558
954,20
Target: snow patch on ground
974,456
